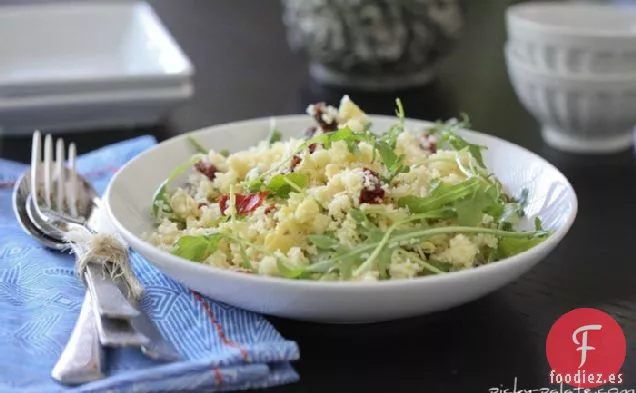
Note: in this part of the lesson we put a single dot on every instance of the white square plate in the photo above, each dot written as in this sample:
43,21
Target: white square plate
86,47
90,111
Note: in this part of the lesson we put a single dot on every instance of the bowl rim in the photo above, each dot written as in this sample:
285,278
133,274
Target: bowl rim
135,241
516,19
514,61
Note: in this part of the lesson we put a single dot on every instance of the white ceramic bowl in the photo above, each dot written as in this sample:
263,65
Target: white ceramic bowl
580,39
577,114
130,193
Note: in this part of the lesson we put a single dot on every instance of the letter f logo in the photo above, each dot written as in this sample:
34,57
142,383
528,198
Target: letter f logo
584,347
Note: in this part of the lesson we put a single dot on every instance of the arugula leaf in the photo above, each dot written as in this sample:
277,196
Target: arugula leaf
522,200
344,134
324,242
441,195
197,146
274,137
282,184
448,137
196,248
225,153
509,246
394,164
437,267
511,214
322,266
458,143
274,134
391,136
287,271
255,186
399,112
161,199
246,259
470,210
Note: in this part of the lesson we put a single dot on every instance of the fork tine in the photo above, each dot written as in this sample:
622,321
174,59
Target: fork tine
72,194
48,158
36,153
59,171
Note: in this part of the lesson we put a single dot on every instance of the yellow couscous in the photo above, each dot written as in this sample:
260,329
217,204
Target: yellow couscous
344,202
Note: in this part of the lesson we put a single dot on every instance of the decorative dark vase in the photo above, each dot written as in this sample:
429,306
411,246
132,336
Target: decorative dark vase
373,44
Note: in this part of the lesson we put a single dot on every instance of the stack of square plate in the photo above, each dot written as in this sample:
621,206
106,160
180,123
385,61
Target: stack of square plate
81,66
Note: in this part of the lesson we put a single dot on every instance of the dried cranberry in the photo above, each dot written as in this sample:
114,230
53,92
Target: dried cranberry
208,170
244,203
294,162
428,143
372,191
320,109
372,174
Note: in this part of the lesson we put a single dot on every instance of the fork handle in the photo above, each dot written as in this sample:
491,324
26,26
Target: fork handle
108,299
83,357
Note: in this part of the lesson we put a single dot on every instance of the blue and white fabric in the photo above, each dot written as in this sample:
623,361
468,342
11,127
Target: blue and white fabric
224,348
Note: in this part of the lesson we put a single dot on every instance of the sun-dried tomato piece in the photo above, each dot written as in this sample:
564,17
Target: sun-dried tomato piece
244,203
270,209
207,169
372,191
313,147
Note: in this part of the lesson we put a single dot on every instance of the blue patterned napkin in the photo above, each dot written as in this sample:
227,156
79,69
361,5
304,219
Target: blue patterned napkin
224,348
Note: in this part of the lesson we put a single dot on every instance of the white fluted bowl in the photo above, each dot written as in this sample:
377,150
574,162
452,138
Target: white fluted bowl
574,39
577,114
128,203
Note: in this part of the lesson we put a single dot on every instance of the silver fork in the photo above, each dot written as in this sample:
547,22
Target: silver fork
50,194
131,325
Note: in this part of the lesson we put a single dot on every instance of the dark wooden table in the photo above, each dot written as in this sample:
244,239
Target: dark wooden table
245,69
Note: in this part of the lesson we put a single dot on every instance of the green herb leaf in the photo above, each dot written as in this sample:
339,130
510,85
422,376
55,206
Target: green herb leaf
399,112
225,153
197,146
437,266
344,134
246,259
511,214
394,132
522,200
274,137
538,225
161,199
449,138
509,246
287,271
470,210
282,184
274,134
196,248
255,186
441,195
324,242
394,163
